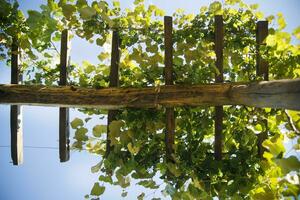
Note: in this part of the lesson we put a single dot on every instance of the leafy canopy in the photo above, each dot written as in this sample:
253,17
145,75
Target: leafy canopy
138,134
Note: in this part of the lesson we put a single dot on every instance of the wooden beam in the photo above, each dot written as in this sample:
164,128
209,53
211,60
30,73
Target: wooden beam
262,69
168,72
64,132
274,94
113,82
15,110
219,35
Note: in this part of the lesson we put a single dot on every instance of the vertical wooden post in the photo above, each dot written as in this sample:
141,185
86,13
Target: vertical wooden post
219,35
113,82
262,69
15,110
170,118
64,132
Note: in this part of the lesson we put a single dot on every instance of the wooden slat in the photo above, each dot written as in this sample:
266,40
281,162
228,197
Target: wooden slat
262,69
219,35
170,118
64,132
113,82
272,94
15,111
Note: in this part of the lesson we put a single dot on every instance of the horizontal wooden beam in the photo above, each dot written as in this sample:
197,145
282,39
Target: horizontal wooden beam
273,94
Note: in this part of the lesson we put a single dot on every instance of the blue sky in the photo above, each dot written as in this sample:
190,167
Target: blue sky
42,176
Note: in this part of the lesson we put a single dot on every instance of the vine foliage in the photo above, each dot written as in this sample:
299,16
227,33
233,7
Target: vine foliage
138,134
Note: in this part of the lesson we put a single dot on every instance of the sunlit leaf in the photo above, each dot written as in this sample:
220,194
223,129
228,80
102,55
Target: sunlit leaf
97,190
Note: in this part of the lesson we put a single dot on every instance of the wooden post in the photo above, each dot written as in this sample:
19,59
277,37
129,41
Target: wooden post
168,72
15,110
113,82
64,132
219,35
262,69
261,64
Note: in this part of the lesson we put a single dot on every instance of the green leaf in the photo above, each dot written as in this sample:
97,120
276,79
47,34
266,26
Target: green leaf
116,4
148,184
232,2
68,10
174,169
88,67
87,12
100,42
99,129
258,127
81,3
97,190
106,179
136,2
178,61
254,6
296,32
115,130
141,196
275,145
215,8
288,164
96,167
281,21
103,55
133,149
80,134
76,123
47,55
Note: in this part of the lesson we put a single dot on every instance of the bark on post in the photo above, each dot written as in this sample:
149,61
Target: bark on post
113,82
64,132
168,71
219,34
262,69
15,110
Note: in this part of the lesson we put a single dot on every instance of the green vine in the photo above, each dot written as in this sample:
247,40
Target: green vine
137,135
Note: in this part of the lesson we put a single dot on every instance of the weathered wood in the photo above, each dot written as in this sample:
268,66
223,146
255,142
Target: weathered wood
219,43
15,111
262,69
170,118
63,58
219,35
274,94
168,50
261,35
115,59
113,82
64,132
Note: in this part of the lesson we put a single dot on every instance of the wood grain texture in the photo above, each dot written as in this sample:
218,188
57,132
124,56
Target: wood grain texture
262,69
15,111
113,82
168,50
64,132
168,72
274,94
261,34
219,40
